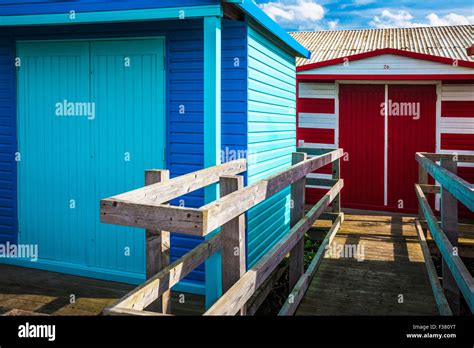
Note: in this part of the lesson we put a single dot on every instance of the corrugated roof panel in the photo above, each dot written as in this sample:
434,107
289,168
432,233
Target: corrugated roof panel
444,41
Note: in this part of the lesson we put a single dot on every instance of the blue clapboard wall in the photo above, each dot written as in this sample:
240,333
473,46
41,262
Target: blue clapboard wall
8,191
271,136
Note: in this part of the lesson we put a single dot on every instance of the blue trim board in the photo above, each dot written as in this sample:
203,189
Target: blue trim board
112,16
29,7
255,12
212,138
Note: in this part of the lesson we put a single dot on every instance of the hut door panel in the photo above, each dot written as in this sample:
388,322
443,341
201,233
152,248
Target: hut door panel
90,121
361,135
54,174
411,128
128,137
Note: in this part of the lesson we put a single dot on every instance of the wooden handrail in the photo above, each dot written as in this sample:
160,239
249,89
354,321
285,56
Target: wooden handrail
144,207
296,295
152,289
225,209
452,188
453,261
140,208
132,209
457,186
231,302
441,301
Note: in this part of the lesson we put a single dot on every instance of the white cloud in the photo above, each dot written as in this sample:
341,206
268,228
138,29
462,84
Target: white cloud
387,19
404,19
303,15
333,25
449,19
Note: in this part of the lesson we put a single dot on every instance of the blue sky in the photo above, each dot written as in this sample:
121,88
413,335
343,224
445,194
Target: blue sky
350,14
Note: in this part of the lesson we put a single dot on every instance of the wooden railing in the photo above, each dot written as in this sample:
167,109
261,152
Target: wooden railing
455,276
147,208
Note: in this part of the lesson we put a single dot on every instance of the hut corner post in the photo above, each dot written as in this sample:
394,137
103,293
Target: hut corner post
212,137
232,239
296,262
157,247
422,180
449,224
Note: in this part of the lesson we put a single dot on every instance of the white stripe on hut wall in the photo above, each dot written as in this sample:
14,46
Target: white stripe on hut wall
315,120
310,90
461,92
317,90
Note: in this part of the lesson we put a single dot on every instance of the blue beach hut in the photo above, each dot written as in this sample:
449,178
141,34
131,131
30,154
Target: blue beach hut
94,92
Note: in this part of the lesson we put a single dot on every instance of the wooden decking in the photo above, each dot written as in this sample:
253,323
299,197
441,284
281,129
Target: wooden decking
390,278
25,290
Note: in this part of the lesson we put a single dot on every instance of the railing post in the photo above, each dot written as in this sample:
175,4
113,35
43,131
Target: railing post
296,262
422,180
449,225
336,175
158,246
232,238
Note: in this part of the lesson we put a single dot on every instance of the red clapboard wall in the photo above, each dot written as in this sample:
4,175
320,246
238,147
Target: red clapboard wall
349,116
317,122
456,129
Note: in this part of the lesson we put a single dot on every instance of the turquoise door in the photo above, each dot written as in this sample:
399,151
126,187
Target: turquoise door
90,122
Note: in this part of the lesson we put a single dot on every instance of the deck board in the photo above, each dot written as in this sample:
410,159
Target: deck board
392,265
30,290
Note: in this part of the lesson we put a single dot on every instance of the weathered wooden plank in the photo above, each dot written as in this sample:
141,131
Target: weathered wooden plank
153,288
294,299
225,209
296,261
392,265
441,302
157,248
465,229
320,182
163,192
336,175
460,158
237,296
118,311
449,225
456,266
313,151
232,237
422,180
430,188
262,292
153,217
457,186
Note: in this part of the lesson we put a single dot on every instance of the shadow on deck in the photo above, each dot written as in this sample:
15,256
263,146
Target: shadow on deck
25,290
386,277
